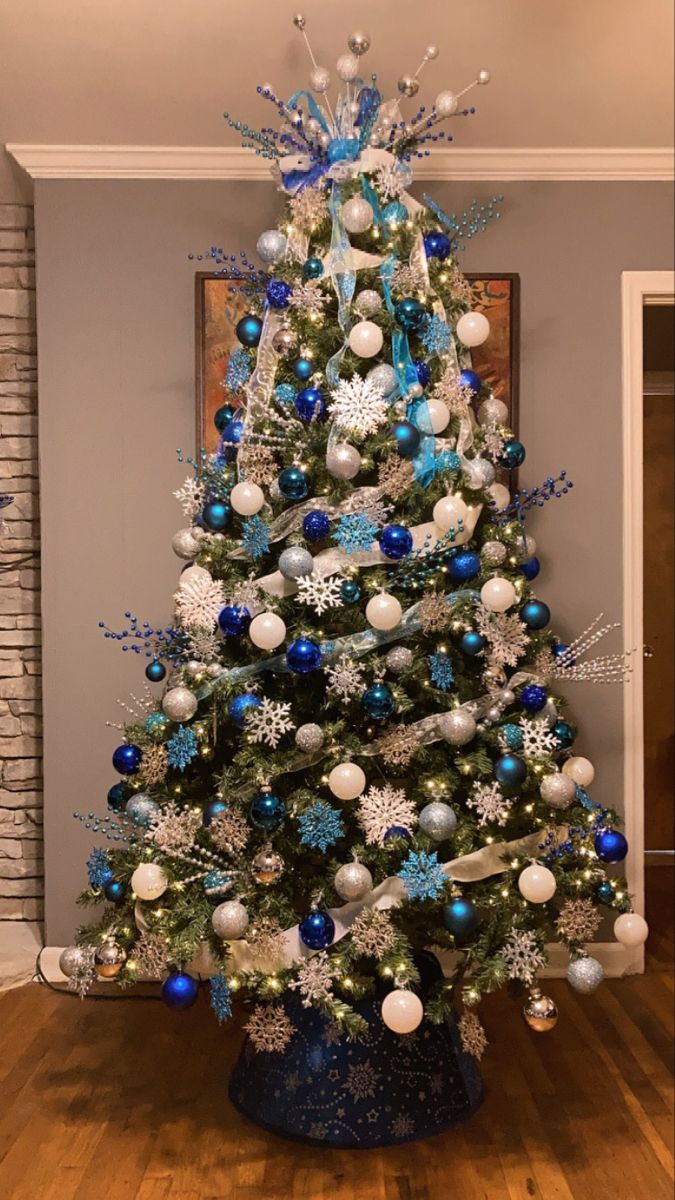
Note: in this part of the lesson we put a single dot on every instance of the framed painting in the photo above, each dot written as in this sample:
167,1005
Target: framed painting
220,304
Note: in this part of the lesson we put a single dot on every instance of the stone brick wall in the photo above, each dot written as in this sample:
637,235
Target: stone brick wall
21,875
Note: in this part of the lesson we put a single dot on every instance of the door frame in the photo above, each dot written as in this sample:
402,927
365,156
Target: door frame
638,289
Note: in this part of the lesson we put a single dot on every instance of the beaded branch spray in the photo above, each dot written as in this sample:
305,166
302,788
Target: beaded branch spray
527,498
159,643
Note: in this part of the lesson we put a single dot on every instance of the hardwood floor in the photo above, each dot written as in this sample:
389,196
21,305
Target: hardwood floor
127,1101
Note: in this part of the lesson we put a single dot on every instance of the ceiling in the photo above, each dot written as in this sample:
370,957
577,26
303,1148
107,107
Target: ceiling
160,72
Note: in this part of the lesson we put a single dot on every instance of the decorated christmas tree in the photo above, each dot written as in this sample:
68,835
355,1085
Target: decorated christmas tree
361,753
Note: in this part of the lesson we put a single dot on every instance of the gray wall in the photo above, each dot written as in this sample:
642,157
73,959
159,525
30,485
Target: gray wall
115,336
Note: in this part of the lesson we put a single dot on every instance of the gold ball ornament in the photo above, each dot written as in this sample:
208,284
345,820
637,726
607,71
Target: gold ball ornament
408,85
540,1012
359,43
267,866
109,959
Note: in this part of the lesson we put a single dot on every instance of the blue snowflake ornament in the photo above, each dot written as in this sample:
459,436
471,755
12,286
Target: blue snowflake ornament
255,537
238,371
440,670
423,876
98,868
181,748
435,334
320,826
221,997
355,532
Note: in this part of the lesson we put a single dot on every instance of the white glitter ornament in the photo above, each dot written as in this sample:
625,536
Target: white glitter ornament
438,820
366,339
149,881
309,738
347,67
580,770
267,631
402,1011
498,594
536,884
446,104
368,302
295,561
473,328
271,245
457,727
353,881
247,499
343,461
179,704
399,659
358,406
357,215
185,544
319,79
492,412
347,781
557,790
585,975
230,920
383,611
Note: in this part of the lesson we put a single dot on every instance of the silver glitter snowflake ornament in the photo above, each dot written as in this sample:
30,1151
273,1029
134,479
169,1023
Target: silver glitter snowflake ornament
523,955
372,933
382,809
490,804
174,828
314,979
320,592
268,722
269,1029
345,679
472,1035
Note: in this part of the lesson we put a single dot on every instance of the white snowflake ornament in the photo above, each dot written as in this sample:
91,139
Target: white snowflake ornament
199,600
382,809
359,407
345,679
268,722
489,803
320,591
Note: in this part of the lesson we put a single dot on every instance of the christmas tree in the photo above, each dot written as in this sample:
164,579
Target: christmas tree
361,751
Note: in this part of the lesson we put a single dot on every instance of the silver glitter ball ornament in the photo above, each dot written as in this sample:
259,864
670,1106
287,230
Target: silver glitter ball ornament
494,713
408,85
457,727
585,974
309,738
72,959
525,548
295,562
492,412
347,67
109,959
184,544
438,820
479,473
271,245
399,659
353,881
230,920
368,302
557,790
359,43
140,808
494,678
214,670
357,214
319,79
493,554
446,104
193,668
343,461
179,704
414,391
383,377
267,866
548,713
284,340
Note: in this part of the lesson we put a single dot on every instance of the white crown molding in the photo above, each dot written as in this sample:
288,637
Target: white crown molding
230,162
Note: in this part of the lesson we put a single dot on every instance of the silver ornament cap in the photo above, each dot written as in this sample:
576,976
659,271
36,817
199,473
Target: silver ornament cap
585,974
438,820
295,562
230,920
353,881
309,738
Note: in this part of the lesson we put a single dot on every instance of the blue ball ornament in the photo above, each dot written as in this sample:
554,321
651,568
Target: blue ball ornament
229,441
395,541
234,620
303,656
394,213
216,515
397,831
317,930
610,846
564,734
213,809
303,369
472,643
278,293
350,591
410,313
249,329
560,648
605,892
513,454
471,380
115,891
535,614
118,795
407,438
378,701
312,268
315,525
179,991
460,917
267,810
155,671
127,759
310,404
531,568
293,483
223,416
464,565
533,697
239,708
437,245
510,771
423,372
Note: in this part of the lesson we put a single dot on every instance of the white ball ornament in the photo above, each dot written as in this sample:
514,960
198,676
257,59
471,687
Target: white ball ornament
347,67
267,631
498,594
347,781
353,881
536,884
631,929
446,104
357,215
432,417
343,461
449,511
319,79
557,790
402,1011
366,339
247,499
185,544
581,770
499,494
473,328
457,726
383,611
149,881
230,920
179,704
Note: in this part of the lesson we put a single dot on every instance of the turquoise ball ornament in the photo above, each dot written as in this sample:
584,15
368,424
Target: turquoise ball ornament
223,416
531,568
394,213
605,892
213,809
115,891
303,656
407,438
472,381
513,454
293,483
310,404
564,734
155,671
535,614
312,268
410,313
472,643
239,708
179,991
533,697
267,810
127,759
234,620
303,369
610,846
510,771
395,541
437,244
249,329
317,930
460,917
350,591
464,565
378,701
118,795
216,515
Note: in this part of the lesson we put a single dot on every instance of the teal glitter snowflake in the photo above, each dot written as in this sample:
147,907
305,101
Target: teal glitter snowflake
423,876
238,371
440,669
320,826
181,748
221,997
255,537
285,393
513,736
98,868
355,532
435,334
